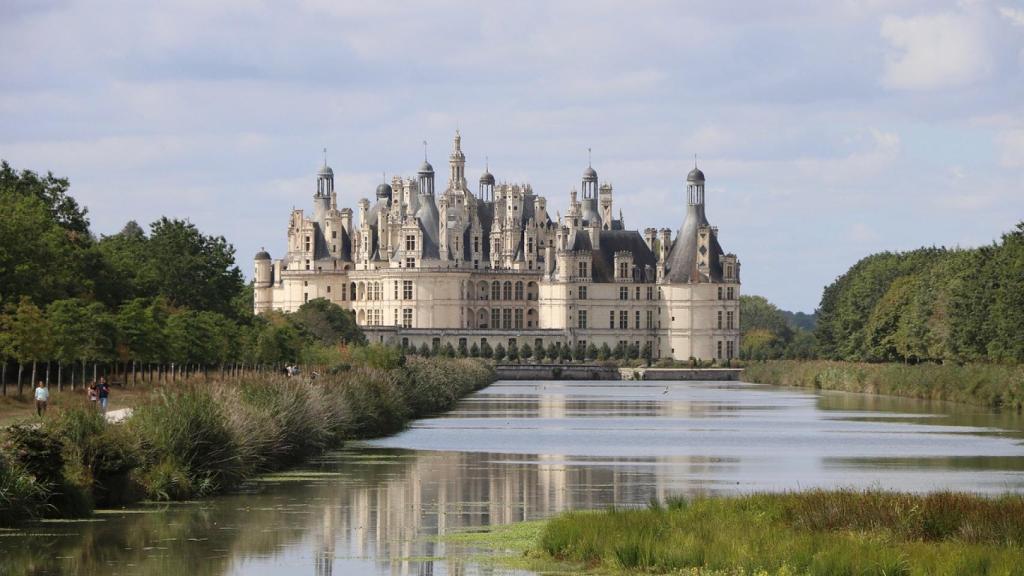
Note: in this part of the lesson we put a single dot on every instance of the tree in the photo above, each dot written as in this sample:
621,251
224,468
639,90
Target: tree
633,351
38,259
539,353
449,350
648,353
328,323
760,344
499,352
189,268
485,350
31,337
513,351
565,353
463,351
425,350
592,351
474,351
605,352
52,193
527,352
620,351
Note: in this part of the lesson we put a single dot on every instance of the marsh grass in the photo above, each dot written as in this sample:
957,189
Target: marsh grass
204,438
990,385
813,533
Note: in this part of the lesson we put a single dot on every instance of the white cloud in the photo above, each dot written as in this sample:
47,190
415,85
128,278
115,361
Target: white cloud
934,51
1014,15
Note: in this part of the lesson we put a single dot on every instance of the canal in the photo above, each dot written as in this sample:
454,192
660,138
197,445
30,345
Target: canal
525,450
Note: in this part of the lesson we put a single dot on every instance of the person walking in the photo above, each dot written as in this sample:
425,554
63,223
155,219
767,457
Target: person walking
42,398
103,394
92,393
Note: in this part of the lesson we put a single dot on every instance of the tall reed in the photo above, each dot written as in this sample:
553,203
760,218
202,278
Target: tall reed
990,385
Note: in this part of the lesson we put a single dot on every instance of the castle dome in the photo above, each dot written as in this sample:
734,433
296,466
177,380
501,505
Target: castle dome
487,178
426,168
326,171
384,190
590,175
262,255
695,176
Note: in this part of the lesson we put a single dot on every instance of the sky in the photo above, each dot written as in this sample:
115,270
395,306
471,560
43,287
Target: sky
827,130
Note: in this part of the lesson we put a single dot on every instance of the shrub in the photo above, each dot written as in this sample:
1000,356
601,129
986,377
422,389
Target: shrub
22,497
187,447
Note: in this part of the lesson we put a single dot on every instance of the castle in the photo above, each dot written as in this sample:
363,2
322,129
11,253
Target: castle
453,267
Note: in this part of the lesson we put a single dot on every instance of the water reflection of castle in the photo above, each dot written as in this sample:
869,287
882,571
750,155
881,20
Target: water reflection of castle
395,505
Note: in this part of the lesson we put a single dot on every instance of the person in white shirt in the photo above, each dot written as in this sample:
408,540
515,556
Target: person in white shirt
42,397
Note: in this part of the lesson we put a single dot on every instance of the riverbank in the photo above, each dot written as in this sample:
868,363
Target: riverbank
993,386
200,439
803,533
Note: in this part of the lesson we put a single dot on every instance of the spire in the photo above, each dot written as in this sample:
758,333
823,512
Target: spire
424,150
325,156
589,165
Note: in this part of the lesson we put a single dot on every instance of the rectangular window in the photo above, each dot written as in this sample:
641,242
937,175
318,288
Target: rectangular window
583,292
729,320
410,262
623,319
476,244
495,318
731,293
396,289
611,319
410,242
637,292
582,319
730,349
623,269
650,319
637,323
334,234
583,270
407,317
719,344
719,297
396,316
305,296
506,318
328,288
519,318
623,293
529,245
719,319
650,292
407,289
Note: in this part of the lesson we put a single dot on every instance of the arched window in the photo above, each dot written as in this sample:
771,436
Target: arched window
508,290
519,290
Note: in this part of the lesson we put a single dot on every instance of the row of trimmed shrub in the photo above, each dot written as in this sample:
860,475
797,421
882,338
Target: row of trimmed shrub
199,439
991,385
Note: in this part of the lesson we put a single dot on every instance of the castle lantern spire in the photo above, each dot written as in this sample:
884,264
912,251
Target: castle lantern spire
457,164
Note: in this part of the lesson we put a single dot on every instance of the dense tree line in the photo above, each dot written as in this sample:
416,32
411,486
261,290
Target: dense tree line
72,303
931,304
768,333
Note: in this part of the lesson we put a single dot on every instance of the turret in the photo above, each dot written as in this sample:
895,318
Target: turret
457,165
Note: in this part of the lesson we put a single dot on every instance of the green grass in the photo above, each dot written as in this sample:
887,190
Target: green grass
990,385
806,533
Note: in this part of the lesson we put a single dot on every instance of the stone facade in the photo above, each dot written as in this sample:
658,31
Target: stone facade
459,267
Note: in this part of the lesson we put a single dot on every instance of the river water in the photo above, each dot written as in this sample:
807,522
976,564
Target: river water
525,450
